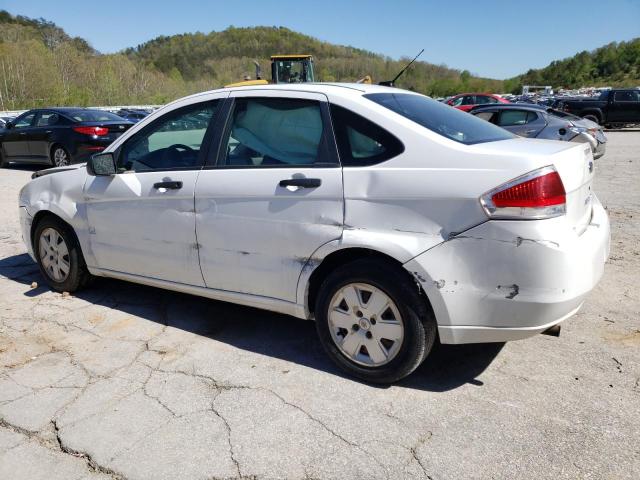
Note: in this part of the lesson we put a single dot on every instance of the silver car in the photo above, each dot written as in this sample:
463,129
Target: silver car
538,121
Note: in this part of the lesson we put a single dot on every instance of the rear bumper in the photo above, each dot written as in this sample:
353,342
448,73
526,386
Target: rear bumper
508,280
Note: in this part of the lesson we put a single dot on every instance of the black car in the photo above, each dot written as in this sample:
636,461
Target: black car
132,114
614,108
59,136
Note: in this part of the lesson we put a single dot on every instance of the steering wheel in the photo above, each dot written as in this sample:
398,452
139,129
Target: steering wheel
173,151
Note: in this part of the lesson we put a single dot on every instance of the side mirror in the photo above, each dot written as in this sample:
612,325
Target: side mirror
102,164
8,125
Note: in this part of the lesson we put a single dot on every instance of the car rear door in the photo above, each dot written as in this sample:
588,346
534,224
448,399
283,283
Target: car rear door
272,196
42,130
15,140
142,220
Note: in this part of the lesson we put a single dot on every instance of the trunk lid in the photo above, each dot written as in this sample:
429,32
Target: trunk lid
573,161
576,169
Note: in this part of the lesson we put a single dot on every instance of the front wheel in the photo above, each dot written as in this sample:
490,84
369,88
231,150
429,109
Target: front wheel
372,321
59,256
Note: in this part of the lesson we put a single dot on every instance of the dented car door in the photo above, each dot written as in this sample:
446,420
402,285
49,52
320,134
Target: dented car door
272,196
142,220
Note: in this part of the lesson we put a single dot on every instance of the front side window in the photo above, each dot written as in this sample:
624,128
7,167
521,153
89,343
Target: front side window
441,119
171,142
360,141
488,116
626,96
25,121
275,132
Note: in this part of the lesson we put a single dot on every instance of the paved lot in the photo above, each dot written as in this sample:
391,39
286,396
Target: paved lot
124,381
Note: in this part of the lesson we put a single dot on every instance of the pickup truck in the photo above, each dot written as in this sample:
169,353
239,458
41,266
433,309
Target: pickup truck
613,108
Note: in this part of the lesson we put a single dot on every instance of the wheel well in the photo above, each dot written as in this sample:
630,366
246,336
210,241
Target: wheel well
41,215
341,257
593,113
52,148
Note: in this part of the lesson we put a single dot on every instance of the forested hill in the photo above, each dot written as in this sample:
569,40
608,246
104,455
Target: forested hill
615,64
227,55
40,64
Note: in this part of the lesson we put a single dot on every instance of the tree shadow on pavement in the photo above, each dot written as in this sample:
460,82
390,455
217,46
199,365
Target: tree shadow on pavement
258,331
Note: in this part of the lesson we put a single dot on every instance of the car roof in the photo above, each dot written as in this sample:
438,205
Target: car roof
323,87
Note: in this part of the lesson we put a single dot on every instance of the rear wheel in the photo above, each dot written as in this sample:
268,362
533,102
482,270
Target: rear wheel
372,321
59,256
59,156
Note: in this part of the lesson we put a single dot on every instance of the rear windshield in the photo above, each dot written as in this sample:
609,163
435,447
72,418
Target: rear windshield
442,119
94,116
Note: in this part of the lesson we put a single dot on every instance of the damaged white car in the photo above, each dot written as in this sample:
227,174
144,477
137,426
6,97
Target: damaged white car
389,218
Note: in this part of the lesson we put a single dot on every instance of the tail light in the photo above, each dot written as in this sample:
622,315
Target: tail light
97,131
536,195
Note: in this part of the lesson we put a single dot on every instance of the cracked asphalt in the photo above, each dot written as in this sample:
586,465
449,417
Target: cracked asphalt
129,382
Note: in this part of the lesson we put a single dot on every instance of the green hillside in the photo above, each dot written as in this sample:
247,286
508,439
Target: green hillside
40,65
228,55
615,64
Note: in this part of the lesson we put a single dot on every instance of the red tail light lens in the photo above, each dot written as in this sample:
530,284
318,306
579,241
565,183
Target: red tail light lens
97,131
536,195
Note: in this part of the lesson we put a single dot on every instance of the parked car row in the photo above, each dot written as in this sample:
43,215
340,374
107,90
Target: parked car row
533,120
538,121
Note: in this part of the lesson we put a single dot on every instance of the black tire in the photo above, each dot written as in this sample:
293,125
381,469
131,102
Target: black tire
78,276
420,327
52,156
3,162
592,117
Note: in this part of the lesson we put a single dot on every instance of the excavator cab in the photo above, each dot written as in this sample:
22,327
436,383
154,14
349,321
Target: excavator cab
292,69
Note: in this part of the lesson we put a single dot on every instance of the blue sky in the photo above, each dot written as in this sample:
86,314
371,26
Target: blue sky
492,38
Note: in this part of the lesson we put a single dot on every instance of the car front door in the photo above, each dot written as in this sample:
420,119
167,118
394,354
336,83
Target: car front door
274,195
625,107
142,220
15,141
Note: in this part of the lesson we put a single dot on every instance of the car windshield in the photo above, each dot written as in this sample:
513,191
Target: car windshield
441,119
94,116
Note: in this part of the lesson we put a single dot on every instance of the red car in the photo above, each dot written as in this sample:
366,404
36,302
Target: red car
466,101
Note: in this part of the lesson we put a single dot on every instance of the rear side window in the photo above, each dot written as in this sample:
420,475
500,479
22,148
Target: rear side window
360,141
47,119
441,119
276,132
516,117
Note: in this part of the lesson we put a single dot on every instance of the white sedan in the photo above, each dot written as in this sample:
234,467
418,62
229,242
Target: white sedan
388,218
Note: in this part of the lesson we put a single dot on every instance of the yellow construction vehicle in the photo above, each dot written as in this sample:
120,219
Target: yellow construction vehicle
284,69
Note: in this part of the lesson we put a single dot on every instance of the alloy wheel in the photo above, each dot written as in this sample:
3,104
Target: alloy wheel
54,255
365,324
60,157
